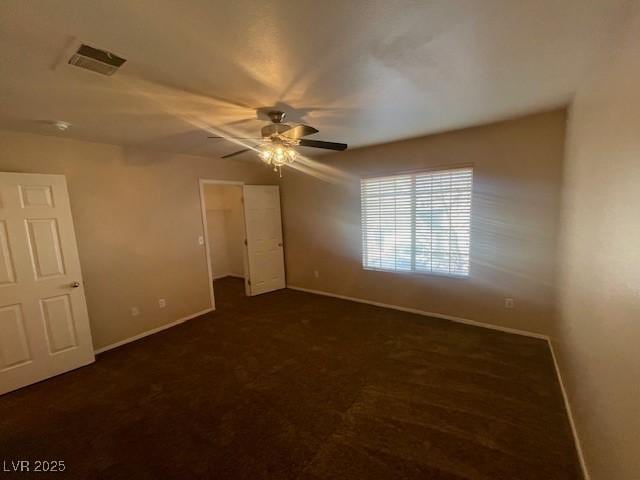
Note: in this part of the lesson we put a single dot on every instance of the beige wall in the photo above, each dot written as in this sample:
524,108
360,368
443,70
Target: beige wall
137,217
598,335
234,223
517,177
225,228
218,244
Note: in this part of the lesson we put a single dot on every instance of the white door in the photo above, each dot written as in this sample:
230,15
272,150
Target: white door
44,325
264,238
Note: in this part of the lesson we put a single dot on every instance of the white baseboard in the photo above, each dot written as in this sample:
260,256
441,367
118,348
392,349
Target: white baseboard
218,277
466,321
152,331
567,405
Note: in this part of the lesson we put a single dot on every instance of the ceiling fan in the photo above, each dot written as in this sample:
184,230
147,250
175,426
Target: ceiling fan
280,139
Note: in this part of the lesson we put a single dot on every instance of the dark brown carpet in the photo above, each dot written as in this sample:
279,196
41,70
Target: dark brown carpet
293,385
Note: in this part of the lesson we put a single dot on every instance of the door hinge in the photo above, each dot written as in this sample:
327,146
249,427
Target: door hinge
245,242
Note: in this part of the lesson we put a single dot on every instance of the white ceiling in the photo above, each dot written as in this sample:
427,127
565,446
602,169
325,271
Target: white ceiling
361,71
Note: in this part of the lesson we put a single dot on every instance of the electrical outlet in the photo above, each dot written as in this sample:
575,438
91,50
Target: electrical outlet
316,273
162,302
135,311
509,303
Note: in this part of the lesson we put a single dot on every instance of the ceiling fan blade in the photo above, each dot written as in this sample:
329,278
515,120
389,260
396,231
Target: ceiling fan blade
235,153
234,138
273,129
320,144
299,131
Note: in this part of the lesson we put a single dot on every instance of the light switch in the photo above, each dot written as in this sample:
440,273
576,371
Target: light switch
200,240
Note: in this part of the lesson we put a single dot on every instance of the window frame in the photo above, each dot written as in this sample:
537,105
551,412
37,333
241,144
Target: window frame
413,272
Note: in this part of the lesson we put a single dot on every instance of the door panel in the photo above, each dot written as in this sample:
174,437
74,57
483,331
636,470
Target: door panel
44,241
264,238
14,349
36,195
61,332
7,272
44,324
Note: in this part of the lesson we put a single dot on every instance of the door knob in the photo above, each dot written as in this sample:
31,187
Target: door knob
75,284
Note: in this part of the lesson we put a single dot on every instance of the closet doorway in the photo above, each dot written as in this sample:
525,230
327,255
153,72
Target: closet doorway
243,236
225,233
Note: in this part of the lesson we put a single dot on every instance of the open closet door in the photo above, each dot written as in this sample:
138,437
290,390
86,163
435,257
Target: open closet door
265,255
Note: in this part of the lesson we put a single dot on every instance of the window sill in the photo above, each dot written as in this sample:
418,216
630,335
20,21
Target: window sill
419,274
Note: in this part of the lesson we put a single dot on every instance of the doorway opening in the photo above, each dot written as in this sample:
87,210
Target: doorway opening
224,232
243,236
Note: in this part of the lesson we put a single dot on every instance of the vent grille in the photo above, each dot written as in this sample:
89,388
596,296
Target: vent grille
96,60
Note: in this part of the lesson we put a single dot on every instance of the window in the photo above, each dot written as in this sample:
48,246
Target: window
418,223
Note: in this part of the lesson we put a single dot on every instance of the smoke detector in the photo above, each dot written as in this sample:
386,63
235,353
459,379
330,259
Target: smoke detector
96,60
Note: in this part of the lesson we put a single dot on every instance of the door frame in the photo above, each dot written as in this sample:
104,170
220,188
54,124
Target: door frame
203,208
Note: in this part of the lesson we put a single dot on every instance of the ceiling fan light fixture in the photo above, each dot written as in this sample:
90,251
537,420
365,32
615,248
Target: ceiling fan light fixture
277,154
279,141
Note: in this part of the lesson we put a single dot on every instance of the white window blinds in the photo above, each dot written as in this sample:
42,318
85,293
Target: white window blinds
418,223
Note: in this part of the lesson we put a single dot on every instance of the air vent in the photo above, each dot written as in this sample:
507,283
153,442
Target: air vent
96,60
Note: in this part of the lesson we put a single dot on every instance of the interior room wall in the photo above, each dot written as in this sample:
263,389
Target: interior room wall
234,223
516,194
597,339
225,228
137,217
217,233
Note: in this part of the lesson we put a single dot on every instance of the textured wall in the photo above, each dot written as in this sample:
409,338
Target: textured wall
598,335
137,217
517,177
